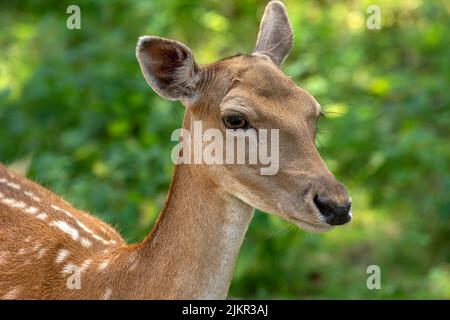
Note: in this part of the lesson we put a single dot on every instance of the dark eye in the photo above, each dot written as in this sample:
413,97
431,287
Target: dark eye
235,121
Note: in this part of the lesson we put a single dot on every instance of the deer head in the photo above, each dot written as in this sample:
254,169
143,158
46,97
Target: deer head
250,92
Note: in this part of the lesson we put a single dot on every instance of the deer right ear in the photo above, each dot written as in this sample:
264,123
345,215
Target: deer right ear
168,66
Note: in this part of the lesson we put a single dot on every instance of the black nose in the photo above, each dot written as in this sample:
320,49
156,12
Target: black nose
334,214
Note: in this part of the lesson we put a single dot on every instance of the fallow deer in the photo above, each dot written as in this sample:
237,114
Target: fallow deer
191,251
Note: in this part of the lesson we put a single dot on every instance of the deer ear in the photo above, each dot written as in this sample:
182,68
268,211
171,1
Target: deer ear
275,33
168,66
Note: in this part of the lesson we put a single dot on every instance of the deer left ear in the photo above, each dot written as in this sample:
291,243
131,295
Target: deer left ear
275,33
168,66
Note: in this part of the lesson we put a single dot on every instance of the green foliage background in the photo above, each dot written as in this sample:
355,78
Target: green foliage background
75,108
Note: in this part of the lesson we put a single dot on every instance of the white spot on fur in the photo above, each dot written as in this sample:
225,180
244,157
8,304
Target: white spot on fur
13,185
19,204
107,294
63,211
64,227
86,264
12,294
9,202
67,213
84,227
86,242
133,261
31,210
103,264
2,195
10,184
94,235
61,256
32,196
42,216
41,252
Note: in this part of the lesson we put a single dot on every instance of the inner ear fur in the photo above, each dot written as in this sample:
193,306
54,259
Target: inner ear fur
168,66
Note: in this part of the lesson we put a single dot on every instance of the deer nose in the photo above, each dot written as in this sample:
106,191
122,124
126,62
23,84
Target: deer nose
335,214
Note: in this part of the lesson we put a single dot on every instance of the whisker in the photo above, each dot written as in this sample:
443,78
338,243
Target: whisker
279,232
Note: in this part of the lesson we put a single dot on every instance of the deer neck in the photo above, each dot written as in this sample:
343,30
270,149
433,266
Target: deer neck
195,243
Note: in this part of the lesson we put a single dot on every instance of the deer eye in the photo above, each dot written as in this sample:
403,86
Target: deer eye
235,121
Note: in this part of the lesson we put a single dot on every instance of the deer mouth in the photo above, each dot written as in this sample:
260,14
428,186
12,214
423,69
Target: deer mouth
308,226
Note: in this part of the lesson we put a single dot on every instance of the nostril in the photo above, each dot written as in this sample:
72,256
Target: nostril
334,214
323,207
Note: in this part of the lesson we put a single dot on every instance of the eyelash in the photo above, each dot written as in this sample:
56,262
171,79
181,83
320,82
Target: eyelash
322,115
